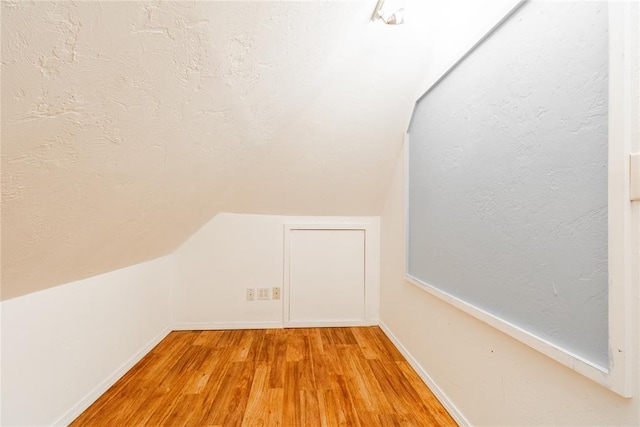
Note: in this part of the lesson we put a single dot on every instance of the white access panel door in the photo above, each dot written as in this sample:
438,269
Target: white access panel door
326,277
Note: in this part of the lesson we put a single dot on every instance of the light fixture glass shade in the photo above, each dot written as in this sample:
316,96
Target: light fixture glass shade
396,18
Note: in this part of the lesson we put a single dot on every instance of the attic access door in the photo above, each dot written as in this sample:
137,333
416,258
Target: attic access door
324,277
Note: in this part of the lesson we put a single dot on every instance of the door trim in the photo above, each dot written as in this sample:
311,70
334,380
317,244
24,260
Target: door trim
371,273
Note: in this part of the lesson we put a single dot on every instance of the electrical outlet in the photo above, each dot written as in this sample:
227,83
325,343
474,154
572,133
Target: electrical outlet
263,293
276,293
251,294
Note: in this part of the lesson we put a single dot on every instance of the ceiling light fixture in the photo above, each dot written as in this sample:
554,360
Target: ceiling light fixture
396,18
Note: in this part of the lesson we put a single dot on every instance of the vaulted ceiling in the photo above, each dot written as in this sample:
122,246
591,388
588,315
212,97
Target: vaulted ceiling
127,125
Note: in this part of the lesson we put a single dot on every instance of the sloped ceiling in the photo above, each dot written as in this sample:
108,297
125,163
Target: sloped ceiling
127,125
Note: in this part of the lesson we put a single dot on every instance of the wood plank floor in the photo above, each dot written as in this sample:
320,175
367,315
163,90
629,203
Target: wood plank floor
276,377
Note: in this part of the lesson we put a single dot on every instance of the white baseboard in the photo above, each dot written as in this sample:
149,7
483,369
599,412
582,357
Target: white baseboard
455,413
329,323
216,326
90,398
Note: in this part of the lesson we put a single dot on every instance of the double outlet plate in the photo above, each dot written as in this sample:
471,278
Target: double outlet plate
263,293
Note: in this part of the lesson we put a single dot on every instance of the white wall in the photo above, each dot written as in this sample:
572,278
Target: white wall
64,346
487,377
454,26
234,252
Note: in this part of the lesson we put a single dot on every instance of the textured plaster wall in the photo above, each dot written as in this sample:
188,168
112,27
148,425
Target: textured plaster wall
490,377
127,125
508,177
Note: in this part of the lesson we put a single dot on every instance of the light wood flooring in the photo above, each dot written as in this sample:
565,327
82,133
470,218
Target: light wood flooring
276,377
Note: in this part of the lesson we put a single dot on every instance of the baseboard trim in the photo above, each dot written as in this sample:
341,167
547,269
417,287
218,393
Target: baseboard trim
99,390
329,323
453,410
218,326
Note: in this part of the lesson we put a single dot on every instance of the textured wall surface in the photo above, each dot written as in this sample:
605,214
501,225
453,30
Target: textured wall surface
492,378
508,177
127,125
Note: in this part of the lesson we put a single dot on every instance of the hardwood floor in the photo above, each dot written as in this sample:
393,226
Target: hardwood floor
276,377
